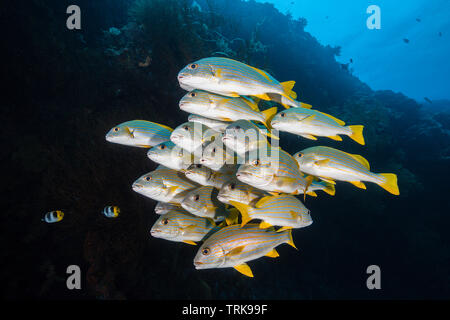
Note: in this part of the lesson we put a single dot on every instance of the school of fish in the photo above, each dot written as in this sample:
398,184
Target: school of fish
223,180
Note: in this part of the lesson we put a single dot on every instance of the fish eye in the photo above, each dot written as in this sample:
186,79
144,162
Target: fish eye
186,128
196,197
192,94
300,155
162,147
193,66
116,129
238,128
256,162
148,178
282,114
232,186
165,221
205,251
214,150
198,165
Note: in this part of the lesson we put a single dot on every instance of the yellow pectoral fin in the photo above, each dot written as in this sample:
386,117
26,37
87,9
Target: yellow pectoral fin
308,119
190,242
273,254
264,225
322,162
244,269
172,189
218,73
262,201
235,251
336,137
189,228
358,184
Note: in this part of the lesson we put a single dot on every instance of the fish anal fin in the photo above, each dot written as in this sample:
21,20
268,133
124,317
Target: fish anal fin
308,136
263,96
273,254
358,184
264,225
336,138
190,242
244,269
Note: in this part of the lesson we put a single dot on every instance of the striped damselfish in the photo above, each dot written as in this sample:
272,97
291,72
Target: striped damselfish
111,211
233,246
281,210
232,78
139,133
311,123
215,106
165,185
53,216
331,164
180,226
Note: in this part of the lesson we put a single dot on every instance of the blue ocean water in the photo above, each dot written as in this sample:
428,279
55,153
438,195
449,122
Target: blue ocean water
66,88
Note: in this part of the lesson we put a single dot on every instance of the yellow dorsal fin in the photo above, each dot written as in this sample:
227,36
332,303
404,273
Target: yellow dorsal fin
305,105
190,242
339,121
287,88
358,184
268,115
244,210
165,127
361,160
251,103
273,254
235,251
262,201
264,225
244,269
262,72
308,119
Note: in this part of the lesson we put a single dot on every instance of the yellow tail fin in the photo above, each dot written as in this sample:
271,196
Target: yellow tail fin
244,210
390,183
287,88
330,189
290,240
357,134
268,115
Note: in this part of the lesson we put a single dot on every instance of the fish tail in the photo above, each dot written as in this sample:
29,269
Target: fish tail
330,189
268,115
244,210
290,240
357,134
389,183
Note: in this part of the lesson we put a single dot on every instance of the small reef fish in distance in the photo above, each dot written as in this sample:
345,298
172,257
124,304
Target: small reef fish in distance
182,227
164,207
232,78
331,164
233,246
311,123
219,107
170,155
165,185
139,133
53,216
111,211
283,210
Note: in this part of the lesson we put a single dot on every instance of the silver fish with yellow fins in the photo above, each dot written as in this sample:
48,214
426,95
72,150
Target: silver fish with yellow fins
182,226
233,246
219,107
282,210
165,185
207,177
203,202
171,156
215,156
311,123
165,207
53,216
216,125
331,164
232,78
111,211
139,133
238,191
193,135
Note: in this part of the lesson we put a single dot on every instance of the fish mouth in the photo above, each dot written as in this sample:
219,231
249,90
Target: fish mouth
154,232
199,265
